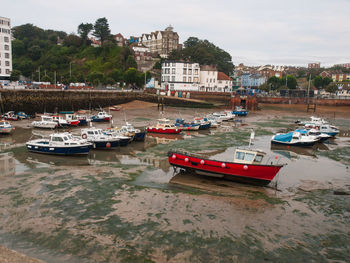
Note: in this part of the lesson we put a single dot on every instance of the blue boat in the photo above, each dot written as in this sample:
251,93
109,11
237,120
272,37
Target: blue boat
60,144
138,134
121,134
204,123
101,117
187,125
22,115
239,111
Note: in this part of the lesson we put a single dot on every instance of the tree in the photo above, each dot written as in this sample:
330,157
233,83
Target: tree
72,40
191,42
130,62
291,82
84,30
274,82
15,74
18,47
46,78
332,88
318,82
101,29
130,75
326,81
116,74
34,52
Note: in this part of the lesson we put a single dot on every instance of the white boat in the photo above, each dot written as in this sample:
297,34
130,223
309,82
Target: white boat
122,134
314,133
61,144
221,116
101,116
6,127
293,138
60,120
98,138
46,122
229,114
138,134
328,129
213,121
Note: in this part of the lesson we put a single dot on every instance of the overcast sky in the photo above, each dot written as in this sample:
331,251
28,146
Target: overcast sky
254,32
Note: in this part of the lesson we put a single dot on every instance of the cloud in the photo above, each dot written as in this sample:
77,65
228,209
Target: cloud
252,31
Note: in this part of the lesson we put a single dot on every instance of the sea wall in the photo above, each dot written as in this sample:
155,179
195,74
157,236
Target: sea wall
324,102
32,101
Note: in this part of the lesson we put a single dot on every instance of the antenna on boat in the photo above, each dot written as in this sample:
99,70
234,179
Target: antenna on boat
251,139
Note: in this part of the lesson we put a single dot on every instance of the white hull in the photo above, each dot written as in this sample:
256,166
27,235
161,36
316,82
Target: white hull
44,125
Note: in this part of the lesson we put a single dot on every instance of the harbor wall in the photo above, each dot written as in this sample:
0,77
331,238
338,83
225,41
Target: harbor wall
323,102
36,101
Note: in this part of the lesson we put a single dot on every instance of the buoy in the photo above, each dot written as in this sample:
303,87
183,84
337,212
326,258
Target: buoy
276,157
202,162
174,156
186,160
245,167
108,145
223,165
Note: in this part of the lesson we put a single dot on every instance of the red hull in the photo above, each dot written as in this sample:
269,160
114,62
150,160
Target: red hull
107,119
252,173
163,130
74,123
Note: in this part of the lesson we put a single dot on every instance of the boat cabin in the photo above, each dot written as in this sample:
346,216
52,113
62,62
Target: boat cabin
248,156
61,137
92,132
165,123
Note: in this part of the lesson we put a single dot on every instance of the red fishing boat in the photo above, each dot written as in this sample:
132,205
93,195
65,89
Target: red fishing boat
246,166
164,126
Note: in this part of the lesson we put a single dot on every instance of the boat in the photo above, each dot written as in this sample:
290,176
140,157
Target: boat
293,138
164,126
213,121
83,119
314,133
204,124
246,167
6,127
72,119
59,143
22,115
98,139
101,116
46,122
115,108
60,121
10,116
122,134
188,126
138,134
221,116
328,129
230,115
240,111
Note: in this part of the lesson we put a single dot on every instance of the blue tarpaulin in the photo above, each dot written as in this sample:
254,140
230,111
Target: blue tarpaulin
287,137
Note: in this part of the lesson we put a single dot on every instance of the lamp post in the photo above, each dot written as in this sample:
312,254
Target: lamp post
70,70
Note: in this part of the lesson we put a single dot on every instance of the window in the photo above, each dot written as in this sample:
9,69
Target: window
173,64
7,63
6,39
173,71
173,78
195,79
196,72
189,71
258,158
185,65
7,71
185,71
249,157
189,79
184,79
7,47
240,155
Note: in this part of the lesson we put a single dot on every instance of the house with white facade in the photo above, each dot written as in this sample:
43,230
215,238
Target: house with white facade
5,48
224,83
252,80
211,80
180,76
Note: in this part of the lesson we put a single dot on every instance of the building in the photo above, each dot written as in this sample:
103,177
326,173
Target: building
269,71
338,77
161,42
142,56
5,48
95,42
211,80
120,39
325,74
252,80
180,76
314,65
345,65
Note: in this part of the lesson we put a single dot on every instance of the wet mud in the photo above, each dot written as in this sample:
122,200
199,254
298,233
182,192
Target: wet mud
129,205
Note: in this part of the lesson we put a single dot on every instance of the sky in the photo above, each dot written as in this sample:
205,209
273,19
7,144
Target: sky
254,32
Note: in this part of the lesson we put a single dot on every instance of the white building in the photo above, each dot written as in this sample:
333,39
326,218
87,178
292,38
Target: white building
182,76
5,48
211,80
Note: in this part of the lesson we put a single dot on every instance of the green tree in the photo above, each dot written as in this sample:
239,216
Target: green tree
116,74
101,29
93,76
46,78
130,62
84,31
274,82
15,74
318,82
18,48
326,81
332,88
191,42
34,52
130,76
72,40
291,82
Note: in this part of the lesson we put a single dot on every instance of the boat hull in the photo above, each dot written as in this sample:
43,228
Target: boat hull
140,136
240,113
248,173
108,144
79,150
306,144
163,130
6,130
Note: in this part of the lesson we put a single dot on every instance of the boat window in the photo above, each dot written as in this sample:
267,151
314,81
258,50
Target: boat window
240,155
65,138
295,138
57,139
258,158
249,157
96,132
90,132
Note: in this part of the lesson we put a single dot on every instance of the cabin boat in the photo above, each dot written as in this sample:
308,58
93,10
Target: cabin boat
221,116
204,124
314,133
83,119
246,167
60,121
164,126
138,134
240,111
328,129
6,127
22,115
98,139
293,138
10,116
101,117
72,119
122,134
230,114
188,126
214,123
61,144
46,122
